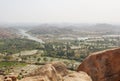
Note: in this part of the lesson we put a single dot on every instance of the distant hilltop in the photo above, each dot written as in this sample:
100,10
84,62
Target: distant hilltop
75,28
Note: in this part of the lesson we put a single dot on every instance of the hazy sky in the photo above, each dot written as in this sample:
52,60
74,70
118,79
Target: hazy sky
83,11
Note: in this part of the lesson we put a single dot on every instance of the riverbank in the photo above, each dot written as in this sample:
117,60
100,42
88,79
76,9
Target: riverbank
24,33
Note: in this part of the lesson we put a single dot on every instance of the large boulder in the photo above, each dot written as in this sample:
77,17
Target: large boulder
102,66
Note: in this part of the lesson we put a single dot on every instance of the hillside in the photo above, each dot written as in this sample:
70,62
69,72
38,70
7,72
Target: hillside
50,30
7,33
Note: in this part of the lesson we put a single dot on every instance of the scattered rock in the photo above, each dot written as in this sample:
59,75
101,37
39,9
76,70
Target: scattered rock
10,77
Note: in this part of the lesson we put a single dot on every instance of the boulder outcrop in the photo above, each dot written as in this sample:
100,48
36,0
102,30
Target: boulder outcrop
102,66
47,73
50,72
56,71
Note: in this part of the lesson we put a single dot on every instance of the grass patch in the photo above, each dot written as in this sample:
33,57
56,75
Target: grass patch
1,43
11,64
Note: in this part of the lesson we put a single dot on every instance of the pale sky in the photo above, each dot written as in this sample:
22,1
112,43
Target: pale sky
83,11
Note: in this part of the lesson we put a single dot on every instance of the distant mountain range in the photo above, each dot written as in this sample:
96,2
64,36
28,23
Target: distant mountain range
61,28
74,28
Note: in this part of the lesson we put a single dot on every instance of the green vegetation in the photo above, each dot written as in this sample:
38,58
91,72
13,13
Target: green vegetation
78,50
71,49
11,64
11,46
59,50
8,67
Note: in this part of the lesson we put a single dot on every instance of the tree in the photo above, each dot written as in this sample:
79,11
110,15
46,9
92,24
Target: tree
71,54
45,59
38,59
8,58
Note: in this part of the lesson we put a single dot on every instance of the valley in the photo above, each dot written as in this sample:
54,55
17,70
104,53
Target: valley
26,49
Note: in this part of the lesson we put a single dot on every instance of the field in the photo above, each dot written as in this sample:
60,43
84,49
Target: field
11,64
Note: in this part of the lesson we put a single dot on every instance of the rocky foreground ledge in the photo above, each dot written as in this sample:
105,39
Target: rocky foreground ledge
100,66
55,71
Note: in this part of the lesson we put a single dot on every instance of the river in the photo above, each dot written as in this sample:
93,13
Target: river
24,34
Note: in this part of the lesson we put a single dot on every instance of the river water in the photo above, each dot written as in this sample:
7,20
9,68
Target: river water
28,36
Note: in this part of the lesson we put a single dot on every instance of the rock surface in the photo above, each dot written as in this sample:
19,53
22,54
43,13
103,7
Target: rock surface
1,78
102,66
49,72
60,68
77,76
56,72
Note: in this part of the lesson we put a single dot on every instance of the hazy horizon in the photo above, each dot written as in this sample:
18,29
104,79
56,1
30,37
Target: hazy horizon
60,11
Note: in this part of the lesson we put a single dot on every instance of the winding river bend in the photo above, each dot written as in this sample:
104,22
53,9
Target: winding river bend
24,34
